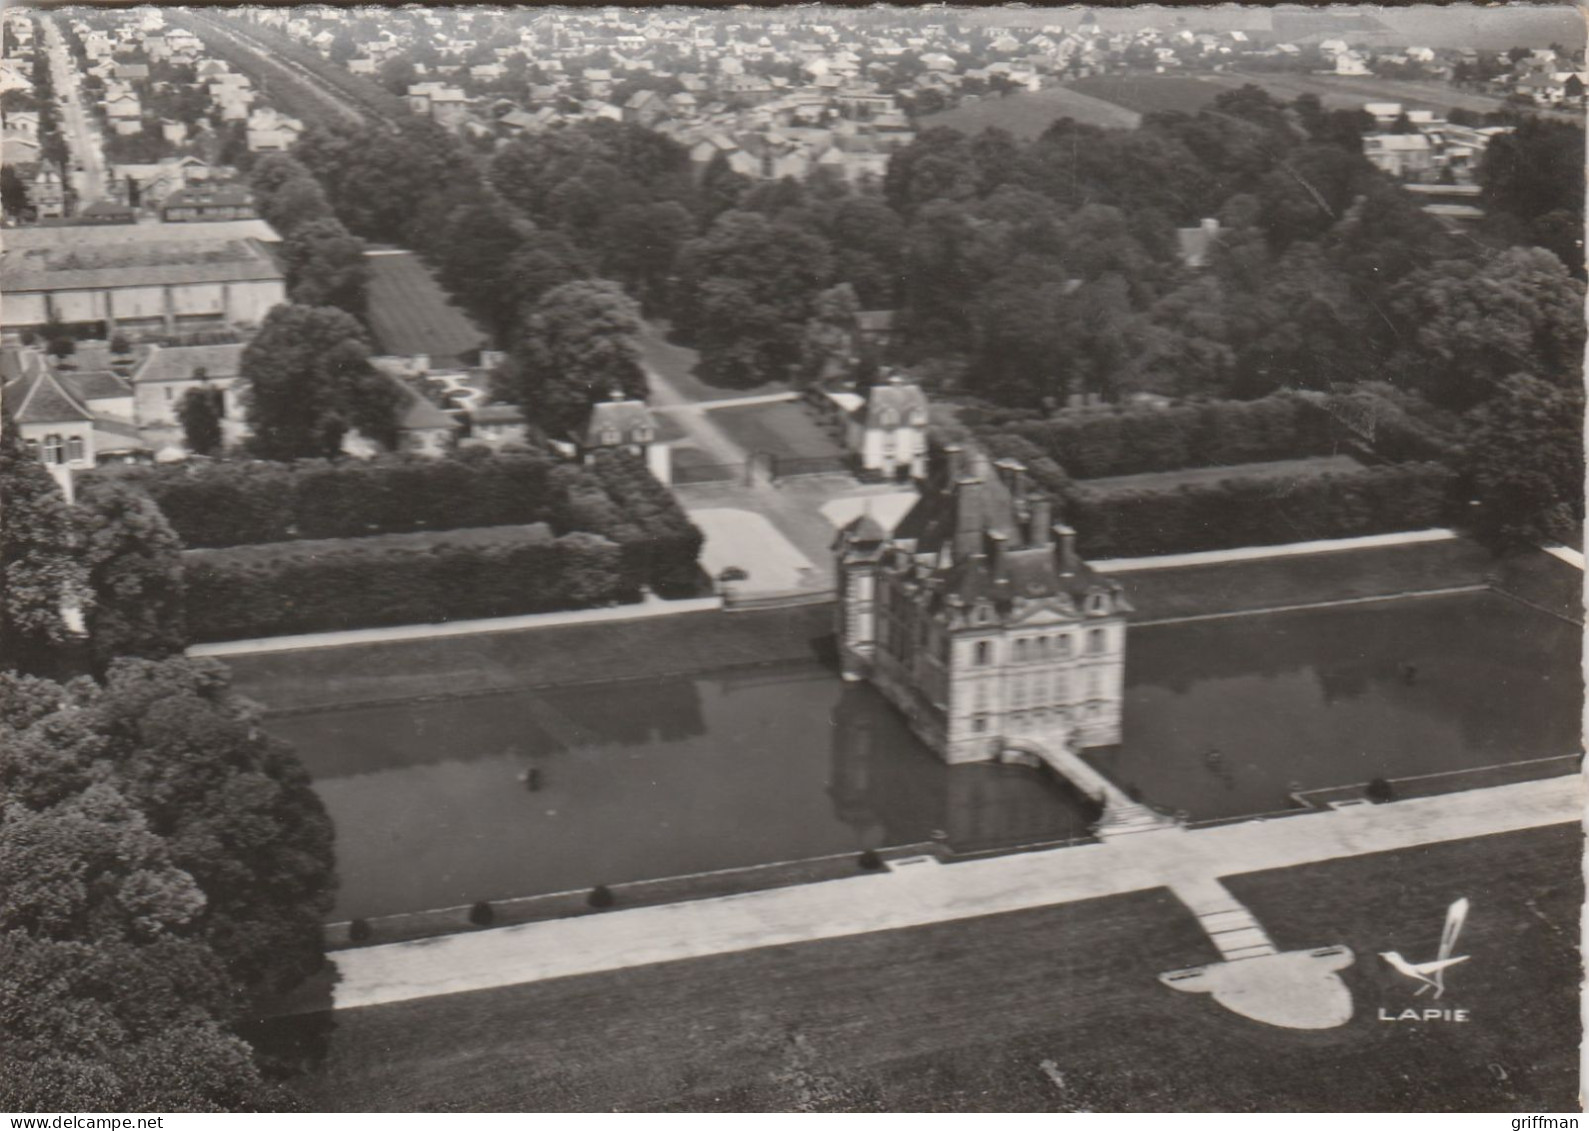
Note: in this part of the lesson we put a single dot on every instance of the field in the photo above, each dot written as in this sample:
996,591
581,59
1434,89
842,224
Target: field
410,314
1028,115
1056,1009
782,429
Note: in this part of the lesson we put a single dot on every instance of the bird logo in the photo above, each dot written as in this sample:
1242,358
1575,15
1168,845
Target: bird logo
1433,974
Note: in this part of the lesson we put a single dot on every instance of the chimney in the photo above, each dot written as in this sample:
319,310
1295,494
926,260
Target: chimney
954,461
1037,525
996,547
1012,473
1066,548
968,516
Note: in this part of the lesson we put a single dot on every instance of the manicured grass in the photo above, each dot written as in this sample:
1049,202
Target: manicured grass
696,642
1278,470
539,657
410,314
1271,583
783,429
1146,93
963,1016
1028,115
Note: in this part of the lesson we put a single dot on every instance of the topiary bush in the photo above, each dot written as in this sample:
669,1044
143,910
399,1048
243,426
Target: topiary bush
482,914
1380,791
870,860
600,897
359,931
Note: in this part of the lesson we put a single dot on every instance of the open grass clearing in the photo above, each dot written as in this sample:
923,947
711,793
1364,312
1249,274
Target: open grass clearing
964,1016
1028,115
782,429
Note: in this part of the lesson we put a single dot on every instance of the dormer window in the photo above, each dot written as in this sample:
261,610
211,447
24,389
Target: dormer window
887,419
54,449
642,435
918,419
1097,603
609,436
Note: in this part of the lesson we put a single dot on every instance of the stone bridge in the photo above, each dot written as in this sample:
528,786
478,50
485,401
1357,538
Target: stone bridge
1121,815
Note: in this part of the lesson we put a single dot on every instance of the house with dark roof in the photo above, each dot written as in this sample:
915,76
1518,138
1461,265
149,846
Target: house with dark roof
412,320
1195,245
978,619
61,416
166,373
886,426
625,425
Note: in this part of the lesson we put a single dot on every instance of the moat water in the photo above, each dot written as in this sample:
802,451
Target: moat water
662,777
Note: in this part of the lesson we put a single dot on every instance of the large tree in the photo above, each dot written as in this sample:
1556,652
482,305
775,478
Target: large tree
1525,461
135,571
578,345
307,381
200,412
41,570
325,266
164,866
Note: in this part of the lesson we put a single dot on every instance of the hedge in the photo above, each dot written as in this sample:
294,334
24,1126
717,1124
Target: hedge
236,503
1234,512
1131,441
287,588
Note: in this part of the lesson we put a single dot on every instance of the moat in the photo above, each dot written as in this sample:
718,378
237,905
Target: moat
660,777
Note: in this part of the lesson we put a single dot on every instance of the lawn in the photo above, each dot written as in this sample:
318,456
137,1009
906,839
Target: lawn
1028,115
698,642
784,429
1055,1009
1294,469
676,365
373,543
540,657
1146,93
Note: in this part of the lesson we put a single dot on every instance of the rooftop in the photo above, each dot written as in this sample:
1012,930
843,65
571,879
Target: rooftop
78,264
410,315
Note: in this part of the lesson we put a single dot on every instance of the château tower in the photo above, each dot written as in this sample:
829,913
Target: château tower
977,618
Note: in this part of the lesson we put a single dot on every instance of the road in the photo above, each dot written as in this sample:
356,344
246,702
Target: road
77,126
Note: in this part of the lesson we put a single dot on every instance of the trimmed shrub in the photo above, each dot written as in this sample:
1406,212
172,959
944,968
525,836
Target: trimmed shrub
1380,791
1257,512
1132,441
359,931
601,896
482,914
289,588
870,860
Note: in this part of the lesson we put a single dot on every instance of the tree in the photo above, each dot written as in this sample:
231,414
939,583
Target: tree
307,380
325,266
748,286
1465,327
1525,461
286,193
135,572
13,193
200,413
578,346
41,572
828,348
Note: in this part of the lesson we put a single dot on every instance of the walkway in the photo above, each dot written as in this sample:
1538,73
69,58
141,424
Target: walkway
651,606
937,893
82,136
1285,550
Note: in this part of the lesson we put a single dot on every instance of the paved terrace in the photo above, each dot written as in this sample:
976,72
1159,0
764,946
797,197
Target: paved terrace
1184,860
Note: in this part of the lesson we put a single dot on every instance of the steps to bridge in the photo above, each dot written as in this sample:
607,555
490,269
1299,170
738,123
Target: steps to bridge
1224,919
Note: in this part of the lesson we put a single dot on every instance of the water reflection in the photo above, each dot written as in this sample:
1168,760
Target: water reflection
1336,696
640,780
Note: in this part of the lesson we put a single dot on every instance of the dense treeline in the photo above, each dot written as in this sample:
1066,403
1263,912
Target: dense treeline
286,588
1118,441
1256,512
164,867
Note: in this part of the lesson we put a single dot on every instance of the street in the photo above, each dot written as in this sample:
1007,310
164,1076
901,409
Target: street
87,176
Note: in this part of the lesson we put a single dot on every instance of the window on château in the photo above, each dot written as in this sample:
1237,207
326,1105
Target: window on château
1020,650
53,449
1042,647
1095,641
74,448
984,653
1062,647
979,724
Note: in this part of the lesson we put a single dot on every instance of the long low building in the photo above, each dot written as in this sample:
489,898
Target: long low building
138,277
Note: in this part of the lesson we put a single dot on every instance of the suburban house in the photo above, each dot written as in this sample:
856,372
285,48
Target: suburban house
166,373
207,203
886,427
624,424
1404,156
1195,245
62,416
497,425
